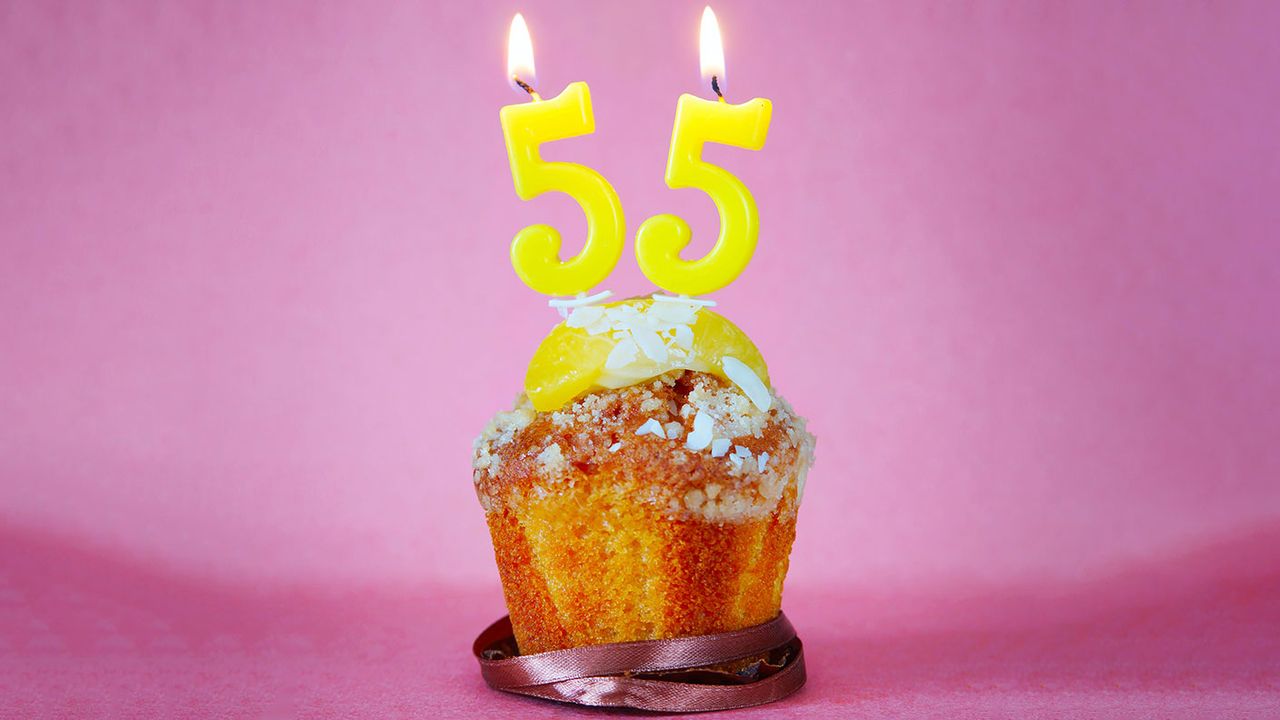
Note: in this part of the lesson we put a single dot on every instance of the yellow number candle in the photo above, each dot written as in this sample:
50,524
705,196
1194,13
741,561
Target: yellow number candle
661,238
535,252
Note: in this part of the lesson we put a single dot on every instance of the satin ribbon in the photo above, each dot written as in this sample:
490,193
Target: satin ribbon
658,675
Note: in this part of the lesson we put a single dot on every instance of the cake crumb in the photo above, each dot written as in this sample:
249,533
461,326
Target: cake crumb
551,461
674,430
694,499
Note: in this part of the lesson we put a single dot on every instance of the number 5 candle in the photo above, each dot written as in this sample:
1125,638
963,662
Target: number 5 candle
661,238
535,252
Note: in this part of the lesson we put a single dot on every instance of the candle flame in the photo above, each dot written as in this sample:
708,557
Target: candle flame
711,51
520,57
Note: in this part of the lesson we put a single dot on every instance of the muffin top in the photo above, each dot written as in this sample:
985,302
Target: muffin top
689,443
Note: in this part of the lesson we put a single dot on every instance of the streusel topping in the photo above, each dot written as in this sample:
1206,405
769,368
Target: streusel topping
690,443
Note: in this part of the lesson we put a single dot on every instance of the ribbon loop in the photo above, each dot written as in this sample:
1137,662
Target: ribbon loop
672,675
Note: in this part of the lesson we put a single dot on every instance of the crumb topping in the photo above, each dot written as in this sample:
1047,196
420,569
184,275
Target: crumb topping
667,441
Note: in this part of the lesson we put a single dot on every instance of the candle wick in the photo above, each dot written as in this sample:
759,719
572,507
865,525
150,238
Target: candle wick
527,88
715,86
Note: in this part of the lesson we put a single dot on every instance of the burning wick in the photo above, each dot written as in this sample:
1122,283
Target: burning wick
715,87
527,88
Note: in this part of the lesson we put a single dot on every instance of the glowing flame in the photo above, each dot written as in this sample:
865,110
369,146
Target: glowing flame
710,49
520,55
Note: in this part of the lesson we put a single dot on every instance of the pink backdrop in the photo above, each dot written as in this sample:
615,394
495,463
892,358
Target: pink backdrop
1018,266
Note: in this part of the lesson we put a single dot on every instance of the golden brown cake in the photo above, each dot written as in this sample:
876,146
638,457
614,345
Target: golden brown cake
664,507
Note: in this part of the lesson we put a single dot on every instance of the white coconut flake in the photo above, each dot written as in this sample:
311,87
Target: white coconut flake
719,447
651,427
762,461
747,381
684,299
674,430
742,452
580,300
700,438
735,461
615,447
622,354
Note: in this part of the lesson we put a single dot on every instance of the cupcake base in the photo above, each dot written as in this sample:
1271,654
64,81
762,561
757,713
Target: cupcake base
571,579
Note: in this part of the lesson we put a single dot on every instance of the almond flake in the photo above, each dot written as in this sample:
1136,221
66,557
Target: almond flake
584,316
622,354
651,427
650,344
684,337
747,380
700,437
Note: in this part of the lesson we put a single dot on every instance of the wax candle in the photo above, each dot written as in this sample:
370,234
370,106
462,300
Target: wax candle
535,252
698,121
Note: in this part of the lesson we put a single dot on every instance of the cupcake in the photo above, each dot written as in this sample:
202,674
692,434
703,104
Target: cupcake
646,483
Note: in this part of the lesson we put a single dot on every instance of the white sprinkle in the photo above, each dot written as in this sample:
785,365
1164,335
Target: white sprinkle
747,380
700,438
651,427
615,447
762,461
579,301
684,299
742,452
622,354
719,447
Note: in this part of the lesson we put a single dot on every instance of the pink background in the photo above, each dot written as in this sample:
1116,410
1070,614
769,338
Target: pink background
1018,265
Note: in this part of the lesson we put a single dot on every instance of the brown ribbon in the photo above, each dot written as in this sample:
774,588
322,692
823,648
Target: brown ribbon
660,675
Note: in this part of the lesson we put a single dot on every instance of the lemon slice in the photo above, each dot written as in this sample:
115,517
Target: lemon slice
571,361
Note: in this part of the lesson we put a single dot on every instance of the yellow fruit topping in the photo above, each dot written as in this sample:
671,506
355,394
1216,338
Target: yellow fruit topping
628,342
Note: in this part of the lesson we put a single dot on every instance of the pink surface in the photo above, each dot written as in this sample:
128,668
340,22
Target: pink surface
1189,636
1018,266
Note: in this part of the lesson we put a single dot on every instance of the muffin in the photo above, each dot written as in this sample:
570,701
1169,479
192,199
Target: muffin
646,483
